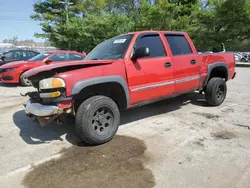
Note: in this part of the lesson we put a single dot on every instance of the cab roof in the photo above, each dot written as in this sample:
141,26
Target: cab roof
157,31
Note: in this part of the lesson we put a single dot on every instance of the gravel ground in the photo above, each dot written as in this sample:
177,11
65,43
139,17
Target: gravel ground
173,143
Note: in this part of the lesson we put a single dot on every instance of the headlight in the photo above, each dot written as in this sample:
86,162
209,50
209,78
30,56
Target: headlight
9,69
51,83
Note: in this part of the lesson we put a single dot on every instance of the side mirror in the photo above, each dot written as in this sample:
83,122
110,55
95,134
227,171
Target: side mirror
47,61
3,57
140,52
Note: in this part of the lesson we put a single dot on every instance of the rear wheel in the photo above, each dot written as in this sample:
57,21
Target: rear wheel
216,91
243,60
25,81
97,120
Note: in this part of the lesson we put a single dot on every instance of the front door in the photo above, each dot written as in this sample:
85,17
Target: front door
150,77
185,63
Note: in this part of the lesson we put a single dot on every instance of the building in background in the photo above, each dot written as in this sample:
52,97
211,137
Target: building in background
26,44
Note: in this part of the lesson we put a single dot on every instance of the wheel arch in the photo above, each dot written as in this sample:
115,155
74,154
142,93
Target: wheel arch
102,85
21,73
217,69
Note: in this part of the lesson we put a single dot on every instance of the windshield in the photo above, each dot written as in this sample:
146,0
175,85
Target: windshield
3,52
40,57
113,48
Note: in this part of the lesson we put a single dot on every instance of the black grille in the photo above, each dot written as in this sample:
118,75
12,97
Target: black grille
7,78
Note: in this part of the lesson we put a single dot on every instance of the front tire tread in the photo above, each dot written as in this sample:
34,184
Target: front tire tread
84,113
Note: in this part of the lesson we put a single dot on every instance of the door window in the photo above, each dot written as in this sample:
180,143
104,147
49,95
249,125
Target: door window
59,57
74,57
23,54
17,55
154,43
178,44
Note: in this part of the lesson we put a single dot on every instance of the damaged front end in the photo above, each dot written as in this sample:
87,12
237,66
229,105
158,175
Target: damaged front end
44,114
49,102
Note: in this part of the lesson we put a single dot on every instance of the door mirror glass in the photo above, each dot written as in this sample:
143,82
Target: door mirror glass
140,52
47,61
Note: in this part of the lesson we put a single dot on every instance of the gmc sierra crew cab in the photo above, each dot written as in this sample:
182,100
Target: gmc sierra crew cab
122,72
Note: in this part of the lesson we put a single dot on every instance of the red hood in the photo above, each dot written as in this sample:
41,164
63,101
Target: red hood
14,64
79,64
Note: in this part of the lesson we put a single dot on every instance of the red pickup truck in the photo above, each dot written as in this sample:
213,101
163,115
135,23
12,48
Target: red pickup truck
123,72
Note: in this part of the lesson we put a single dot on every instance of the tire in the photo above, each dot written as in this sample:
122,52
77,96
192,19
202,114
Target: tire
243,60
97,120
216,91
24,81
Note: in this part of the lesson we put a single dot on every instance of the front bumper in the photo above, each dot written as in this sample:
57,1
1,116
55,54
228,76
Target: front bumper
10,77
42,110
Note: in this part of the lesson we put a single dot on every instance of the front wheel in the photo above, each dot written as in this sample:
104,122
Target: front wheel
25,81
216,91
97,120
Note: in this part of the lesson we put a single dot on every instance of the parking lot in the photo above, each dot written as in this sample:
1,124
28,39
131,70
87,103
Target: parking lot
173,143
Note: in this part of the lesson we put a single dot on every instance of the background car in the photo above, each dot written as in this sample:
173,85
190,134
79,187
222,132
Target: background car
237,56
245,57
16,55
12,72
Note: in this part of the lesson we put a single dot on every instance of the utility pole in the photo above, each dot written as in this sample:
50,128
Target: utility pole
66,8
45,44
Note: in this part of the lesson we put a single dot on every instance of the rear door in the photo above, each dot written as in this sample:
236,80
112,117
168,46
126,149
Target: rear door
150,77
185,63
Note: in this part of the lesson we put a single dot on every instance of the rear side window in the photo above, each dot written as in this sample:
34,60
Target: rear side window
32,54
178,44
154,43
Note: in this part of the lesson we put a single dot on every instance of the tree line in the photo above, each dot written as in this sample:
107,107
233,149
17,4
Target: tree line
82,24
